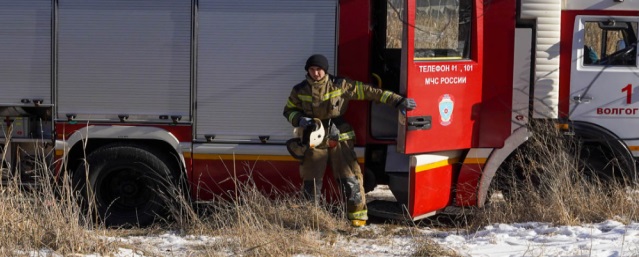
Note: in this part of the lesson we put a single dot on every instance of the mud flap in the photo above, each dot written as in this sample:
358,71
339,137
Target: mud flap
425,190
430,182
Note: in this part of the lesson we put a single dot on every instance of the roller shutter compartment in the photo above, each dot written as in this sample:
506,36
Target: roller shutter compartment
25,51
250,55
124,57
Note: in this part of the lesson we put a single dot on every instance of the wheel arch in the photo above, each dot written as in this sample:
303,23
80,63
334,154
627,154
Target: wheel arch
591,130
521,135
496,159
86,140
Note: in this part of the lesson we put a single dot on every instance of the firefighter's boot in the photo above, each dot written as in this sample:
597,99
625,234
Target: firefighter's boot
313,191
355,203
358,223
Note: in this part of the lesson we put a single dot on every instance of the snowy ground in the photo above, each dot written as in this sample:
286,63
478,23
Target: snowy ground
609,238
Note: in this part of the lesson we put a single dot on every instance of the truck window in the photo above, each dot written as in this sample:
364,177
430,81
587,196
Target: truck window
394,23
610,43
442,29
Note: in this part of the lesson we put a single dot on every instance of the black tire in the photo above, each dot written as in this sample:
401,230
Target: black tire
603,156
370,182
606,160
600,158
516,173
129,184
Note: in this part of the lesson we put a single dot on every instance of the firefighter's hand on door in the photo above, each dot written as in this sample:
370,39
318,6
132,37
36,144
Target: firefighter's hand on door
408,104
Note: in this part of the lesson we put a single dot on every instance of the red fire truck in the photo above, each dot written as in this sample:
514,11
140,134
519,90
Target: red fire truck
138,93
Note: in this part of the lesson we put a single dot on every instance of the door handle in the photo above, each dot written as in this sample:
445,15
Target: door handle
419,122
582,99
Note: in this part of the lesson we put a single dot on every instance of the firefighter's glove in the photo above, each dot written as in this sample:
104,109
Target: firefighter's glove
407,104
333,136
305,122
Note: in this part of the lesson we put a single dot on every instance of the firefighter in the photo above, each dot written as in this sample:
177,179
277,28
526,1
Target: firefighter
324,97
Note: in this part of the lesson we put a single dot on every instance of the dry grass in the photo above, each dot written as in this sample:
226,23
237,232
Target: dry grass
253,224
45,216
48,218
426,247
544,183
257,225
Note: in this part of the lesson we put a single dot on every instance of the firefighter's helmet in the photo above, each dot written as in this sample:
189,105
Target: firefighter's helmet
314,134
310,137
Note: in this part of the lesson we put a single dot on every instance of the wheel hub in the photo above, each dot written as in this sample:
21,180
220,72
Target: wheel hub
128,189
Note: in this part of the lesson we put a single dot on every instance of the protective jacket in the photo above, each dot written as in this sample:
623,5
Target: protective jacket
328,98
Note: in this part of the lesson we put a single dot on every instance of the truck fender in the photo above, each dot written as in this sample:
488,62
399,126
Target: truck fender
496,158
121,133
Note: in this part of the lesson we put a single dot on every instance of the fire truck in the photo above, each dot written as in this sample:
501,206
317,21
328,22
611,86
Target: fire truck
126,97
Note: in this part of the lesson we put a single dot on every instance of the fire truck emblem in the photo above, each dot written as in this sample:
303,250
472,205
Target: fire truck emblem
446,104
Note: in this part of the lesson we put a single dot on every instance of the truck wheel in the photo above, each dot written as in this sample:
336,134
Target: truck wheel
128,184
602,155
605,161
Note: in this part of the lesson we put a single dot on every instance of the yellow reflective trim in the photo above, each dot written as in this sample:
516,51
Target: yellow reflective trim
347,135
245,157
305,98
434,165
358,215
240,157
474,160
385,96
290,104
360,91
330,95
291,116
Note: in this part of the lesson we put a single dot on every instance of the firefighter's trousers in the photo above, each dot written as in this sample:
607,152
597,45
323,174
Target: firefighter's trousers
345,169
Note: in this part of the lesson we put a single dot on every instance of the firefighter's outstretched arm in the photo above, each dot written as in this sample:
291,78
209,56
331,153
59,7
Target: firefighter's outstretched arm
357,90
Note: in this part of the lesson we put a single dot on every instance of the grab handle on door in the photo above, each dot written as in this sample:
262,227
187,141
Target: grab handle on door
582,99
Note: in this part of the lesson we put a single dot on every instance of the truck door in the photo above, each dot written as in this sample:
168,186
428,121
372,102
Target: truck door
441,53
603,79
441,56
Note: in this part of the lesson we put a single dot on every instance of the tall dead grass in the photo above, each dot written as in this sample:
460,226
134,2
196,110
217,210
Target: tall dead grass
44,215
254,223
38,213
544,182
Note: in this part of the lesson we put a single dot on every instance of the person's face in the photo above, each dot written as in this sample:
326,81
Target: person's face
316,73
